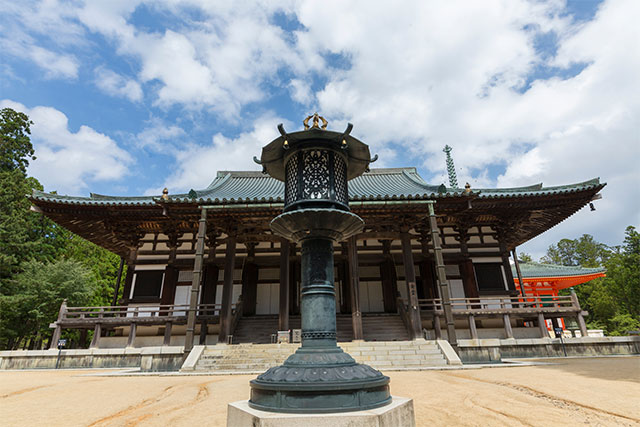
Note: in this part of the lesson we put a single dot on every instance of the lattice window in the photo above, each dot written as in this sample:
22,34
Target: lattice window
291,180
316,175
340,179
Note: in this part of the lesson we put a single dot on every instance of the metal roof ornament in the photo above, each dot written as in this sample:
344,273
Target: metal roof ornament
165,194
467,188
316,122
451,170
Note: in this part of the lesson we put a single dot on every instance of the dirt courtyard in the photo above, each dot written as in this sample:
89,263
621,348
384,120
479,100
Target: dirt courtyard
595,391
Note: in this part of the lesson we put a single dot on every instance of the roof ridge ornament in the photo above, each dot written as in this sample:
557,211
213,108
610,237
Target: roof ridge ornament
316,122
451,170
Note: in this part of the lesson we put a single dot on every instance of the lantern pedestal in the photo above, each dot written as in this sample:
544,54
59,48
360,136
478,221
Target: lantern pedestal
398,413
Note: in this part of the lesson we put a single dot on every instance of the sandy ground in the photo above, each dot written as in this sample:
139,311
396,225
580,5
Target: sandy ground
594,392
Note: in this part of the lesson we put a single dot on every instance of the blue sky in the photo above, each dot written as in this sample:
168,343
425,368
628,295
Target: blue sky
131,96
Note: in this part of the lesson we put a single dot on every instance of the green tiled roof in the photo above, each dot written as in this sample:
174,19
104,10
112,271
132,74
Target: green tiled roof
378,184
534,269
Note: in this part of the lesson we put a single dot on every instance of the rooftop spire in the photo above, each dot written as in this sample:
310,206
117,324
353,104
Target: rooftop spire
451,170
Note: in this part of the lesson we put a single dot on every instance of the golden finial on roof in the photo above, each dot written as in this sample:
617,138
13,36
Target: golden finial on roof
467,188
165,194
316,122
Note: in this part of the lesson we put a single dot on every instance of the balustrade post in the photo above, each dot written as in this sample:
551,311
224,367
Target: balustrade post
579,317
472,327
507,326
542,324
167,333
436,326
58,330
132,334
97,331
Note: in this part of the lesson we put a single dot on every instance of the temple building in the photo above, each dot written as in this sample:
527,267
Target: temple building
546,280
247,287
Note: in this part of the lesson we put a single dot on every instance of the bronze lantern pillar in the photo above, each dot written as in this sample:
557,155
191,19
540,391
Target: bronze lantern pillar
315,165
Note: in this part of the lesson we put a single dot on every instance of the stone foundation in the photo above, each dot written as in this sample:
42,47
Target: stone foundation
494,350
399,413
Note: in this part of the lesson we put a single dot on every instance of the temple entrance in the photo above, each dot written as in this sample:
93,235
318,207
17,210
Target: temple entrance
268,298
371,297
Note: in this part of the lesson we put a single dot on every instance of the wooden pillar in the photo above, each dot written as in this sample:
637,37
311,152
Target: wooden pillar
436,326
195,282
508,331
472,327
283,313
227,289
132,334
412,291
167,333
542,325
97,331
204,330
427,273
443,283
354,288
249,282
389,279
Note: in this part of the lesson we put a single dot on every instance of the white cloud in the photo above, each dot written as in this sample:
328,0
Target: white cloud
197,165
160,138
26,28
221,62
114,84
67,161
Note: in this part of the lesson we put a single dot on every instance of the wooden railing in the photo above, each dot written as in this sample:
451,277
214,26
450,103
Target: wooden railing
503,303
135,313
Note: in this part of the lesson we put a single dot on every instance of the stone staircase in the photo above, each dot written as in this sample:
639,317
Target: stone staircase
382,355
376,327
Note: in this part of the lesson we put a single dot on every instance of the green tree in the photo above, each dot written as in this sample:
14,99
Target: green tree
102,264
15,143
524,257
39,290
585,251
613,302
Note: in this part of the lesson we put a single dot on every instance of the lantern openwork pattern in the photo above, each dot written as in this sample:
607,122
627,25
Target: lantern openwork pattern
316,175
